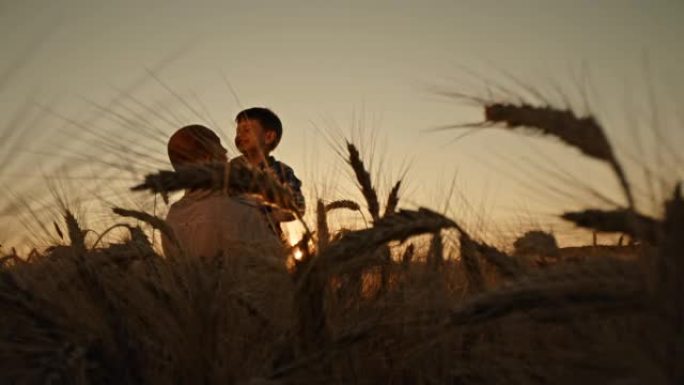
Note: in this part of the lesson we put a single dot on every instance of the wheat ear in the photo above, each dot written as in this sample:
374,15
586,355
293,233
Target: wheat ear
364,180
583,133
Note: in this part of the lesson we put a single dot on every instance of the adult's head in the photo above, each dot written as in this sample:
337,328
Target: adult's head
258,130
195,145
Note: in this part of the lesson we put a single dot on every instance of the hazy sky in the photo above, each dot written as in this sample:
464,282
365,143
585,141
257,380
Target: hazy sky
338,68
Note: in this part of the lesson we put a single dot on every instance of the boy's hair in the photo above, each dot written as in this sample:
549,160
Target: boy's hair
268,119
191,143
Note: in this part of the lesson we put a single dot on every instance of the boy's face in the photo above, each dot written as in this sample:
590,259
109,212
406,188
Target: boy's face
250,137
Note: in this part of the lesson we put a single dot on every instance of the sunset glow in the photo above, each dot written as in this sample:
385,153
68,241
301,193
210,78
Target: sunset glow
297,254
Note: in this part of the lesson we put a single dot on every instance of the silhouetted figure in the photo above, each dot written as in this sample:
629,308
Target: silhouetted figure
257,134
207,223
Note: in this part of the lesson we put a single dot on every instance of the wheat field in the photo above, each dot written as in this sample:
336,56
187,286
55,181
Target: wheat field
389,303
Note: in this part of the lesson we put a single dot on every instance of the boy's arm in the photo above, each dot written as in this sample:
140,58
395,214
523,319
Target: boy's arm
287,177
295,185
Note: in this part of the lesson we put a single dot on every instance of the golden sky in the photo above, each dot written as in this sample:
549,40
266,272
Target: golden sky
366,69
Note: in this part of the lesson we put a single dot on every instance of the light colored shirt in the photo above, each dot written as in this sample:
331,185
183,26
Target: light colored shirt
210,223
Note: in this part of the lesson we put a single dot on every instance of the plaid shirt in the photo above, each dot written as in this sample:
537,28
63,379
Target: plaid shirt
286,176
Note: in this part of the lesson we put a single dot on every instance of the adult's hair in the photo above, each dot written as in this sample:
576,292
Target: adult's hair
268,119
193,143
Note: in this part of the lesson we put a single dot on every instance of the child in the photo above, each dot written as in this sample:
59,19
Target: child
257,134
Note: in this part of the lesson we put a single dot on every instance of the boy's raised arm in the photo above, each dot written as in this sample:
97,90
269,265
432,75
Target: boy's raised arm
295,185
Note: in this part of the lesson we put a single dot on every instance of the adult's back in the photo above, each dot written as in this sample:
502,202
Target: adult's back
207,224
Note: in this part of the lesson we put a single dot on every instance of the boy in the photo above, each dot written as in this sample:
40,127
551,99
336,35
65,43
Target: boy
258,133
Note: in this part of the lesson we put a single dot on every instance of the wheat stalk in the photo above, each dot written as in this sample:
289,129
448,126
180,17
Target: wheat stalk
392,199
584,133
622,221
235,179
469,259
364,180
407,257
668,278
356,246
436,250
618,288
154,221
507,266
396,227
58,230
323,233
76,235
342,204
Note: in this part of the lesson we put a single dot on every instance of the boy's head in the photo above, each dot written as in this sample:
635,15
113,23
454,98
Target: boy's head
258,129
195,144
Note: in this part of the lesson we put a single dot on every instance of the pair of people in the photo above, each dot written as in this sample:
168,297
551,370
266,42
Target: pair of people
209,223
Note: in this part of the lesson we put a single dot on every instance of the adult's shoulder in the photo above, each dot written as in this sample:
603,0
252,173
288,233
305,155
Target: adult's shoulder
189,198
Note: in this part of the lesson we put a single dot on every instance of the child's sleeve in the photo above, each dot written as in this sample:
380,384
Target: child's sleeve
296,186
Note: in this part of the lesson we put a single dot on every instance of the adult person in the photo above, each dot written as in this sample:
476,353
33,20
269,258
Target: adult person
208,223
